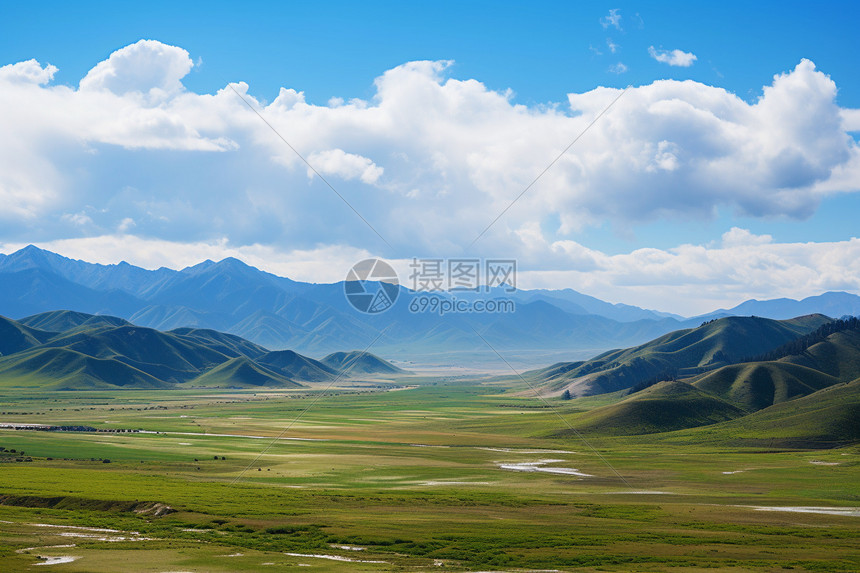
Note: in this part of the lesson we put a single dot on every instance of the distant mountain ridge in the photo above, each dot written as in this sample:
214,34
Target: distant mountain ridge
833,304
83,351
279,313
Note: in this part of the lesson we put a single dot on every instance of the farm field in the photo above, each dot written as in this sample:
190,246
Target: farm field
438,475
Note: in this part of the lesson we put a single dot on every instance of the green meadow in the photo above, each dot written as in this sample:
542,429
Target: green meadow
440,475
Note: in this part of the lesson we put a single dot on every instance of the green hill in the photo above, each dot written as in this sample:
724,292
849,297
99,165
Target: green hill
64,369
756,385
227,344
357,362
827,418
663,407
241,373
65,320
838,355
88,351
297,367
165,356
679,354
807,399
15,337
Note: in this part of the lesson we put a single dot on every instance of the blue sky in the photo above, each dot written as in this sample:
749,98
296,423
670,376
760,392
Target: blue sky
540,50
105,189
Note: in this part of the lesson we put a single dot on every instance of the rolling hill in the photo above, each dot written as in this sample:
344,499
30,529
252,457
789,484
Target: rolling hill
679,354
93,352
241,372
811,385
16,336
822,360
357,362
663,407
756,385
65,369
65,320
827,418
287,361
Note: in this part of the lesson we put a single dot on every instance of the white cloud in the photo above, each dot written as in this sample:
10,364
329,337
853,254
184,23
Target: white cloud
613,47
612,19
429,160
345,165
673,58
851,119
618,68
125,225
29,72
737,237
146,67
695,279
78,219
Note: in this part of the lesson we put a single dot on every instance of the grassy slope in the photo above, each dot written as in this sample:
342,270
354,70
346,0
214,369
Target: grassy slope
15,337
684,352
826,418
297,367
103,352
838,355
241,373
756,385
666,406
357,362
227,344
65,369
143,346
65,320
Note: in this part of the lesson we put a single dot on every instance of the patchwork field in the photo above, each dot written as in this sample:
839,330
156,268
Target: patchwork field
437,475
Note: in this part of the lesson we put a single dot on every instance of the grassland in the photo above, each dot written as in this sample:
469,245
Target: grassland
412,477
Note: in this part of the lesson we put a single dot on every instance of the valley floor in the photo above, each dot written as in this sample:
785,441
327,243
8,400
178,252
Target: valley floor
439,477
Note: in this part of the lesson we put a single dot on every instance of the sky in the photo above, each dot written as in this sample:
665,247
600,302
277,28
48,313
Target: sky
671,155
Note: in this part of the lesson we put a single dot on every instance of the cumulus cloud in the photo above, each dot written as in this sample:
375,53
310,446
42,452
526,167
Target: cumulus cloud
701,278
146,67
737,237
673,58
344,165
618,68
29,72
428,160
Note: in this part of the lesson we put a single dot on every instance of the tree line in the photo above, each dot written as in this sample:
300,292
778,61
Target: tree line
801,344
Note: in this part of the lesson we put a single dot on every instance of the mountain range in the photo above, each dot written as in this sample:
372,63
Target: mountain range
68,350
316,319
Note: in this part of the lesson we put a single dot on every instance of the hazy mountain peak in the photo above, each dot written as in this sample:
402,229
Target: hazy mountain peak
199,266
